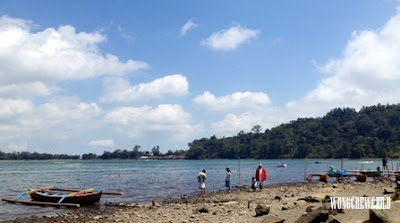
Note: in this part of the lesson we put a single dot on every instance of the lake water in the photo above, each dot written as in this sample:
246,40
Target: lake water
144,180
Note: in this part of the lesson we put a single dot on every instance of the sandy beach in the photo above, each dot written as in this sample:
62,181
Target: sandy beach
280,203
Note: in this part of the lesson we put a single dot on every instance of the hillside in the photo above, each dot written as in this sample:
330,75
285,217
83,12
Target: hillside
342,133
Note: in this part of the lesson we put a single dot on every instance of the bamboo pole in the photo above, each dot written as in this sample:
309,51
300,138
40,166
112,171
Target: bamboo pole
341,163
305,169
41,203
75,190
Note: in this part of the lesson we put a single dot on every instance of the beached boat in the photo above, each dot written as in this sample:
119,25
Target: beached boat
336,173
89,196
372,173
397,175
361,177
281,164
54,196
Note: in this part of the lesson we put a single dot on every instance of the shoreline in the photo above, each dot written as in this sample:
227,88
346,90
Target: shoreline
110,206
284,202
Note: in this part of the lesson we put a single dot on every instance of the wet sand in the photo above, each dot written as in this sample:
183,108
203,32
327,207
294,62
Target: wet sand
285,202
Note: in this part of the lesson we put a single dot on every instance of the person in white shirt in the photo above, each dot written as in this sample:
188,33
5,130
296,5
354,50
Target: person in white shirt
261,175
201,178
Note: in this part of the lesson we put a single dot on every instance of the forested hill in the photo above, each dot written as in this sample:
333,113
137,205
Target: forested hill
342,133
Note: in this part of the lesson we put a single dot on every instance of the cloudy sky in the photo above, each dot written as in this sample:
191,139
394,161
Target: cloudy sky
89,76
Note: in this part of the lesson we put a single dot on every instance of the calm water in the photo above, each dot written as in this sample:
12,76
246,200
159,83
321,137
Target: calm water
143,181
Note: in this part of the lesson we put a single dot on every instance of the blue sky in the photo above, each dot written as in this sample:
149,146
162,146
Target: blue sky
90,76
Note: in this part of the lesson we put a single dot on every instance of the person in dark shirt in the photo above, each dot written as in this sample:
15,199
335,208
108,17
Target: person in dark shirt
384,163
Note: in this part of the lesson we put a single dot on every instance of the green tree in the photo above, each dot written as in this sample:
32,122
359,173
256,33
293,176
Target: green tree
156,150
256,129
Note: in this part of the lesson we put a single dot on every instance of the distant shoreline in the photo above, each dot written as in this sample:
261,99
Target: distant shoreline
165,158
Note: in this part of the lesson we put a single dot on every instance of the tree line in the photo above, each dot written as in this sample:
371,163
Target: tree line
135,153
35,156
342,133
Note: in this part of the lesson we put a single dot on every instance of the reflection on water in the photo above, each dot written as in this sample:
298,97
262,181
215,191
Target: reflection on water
143,181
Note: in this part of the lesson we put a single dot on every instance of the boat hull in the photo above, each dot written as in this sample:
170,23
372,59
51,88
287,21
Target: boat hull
88,198
361,178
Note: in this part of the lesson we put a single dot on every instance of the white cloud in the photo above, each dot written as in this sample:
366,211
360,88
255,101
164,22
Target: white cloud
65,113
103,142
26,90
234,123
54,54
120,90
188,26
11,108
243,110
54,117
49,126
367,73
139,121
238,101
18,147
124,34
230,39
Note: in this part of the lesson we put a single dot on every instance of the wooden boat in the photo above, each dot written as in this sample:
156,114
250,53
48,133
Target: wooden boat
281,164
89,196
397,176
323,178
372,173
54,196
361,177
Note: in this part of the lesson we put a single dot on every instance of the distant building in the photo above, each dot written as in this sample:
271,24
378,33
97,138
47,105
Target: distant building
169,157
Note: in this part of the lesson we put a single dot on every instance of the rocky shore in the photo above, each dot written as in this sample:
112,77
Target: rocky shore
308,202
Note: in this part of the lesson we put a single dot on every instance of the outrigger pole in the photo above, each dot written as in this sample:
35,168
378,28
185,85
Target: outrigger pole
103,192
41,203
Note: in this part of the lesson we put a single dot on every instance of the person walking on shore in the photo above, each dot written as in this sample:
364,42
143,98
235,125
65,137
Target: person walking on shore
201,178
261,176
228,179
384,163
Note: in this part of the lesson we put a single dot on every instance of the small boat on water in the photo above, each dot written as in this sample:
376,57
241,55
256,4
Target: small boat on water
366,162
279,164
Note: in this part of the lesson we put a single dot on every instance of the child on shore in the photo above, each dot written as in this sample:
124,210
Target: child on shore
228,179
253,183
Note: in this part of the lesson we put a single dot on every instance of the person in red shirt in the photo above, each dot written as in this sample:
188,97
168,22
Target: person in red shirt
261,176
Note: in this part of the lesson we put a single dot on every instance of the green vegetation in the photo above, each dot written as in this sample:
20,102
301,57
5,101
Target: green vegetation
342,133
135,153
34,156
132,154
